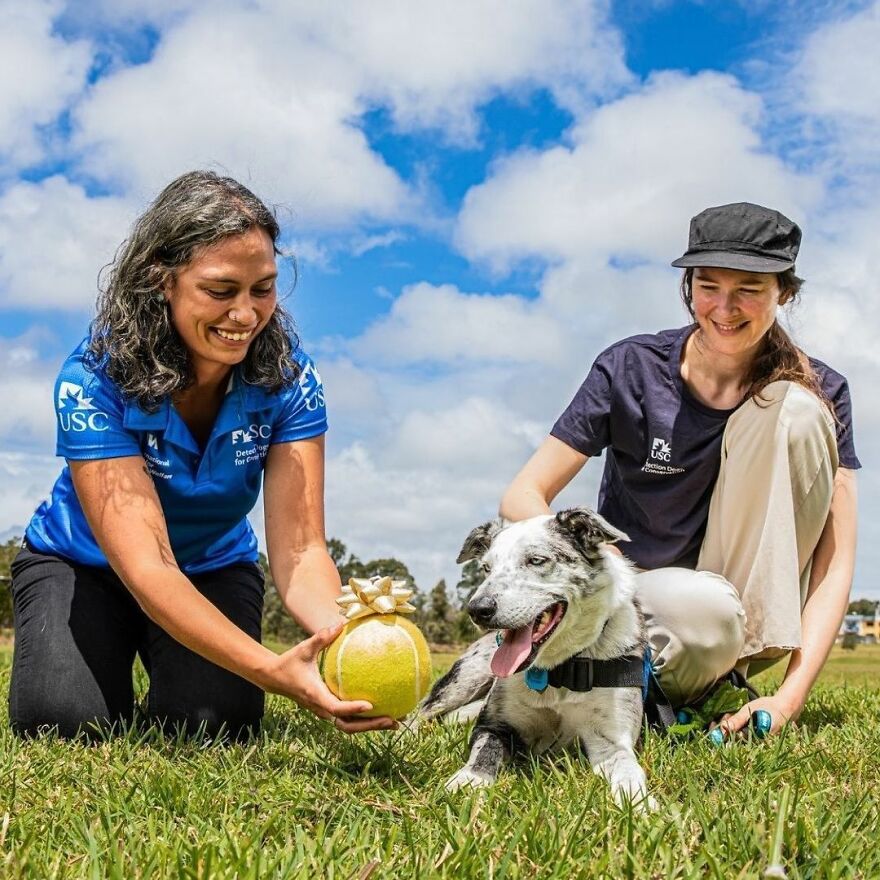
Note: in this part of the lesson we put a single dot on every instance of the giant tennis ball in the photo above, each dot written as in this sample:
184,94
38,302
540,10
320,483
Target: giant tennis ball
382,658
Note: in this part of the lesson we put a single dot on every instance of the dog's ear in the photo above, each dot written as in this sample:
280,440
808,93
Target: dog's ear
588,528
478,541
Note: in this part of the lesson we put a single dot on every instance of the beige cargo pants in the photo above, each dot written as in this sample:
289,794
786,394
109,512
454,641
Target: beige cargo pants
742,606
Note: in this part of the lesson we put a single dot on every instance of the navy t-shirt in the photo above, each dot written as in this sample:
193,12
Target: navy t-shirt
664,445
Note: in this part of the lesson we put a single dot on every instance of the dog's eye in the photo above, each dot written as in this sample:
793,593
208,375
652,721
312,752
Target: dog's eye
537,560
484,567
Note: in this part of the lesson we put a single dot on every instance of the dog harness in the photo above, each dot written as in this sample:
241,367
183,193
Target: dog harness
582,674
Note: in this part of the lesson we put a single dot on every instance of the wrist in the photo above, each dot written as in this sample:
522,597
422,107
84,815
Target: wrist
264,671
792,700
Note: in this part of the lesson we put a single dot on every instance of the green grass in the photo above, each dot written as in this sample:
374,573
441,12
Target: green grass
305,801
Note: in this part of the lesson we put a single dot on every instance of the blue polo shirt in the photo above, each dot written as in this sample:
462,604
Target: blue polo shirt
205,495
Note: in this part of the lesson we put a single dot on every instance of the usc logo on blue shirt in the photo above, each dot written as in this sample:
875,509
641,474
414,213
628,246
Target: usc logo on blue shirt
76,411
205,493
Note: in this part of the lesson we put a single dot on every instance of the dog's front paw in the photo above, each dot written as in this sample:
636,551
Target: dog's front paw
641,801
467,778
644,803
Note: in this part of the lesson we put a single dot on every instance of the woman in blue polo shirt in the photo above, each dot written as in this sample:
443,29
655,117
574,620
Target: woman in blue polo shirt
188,394
729,463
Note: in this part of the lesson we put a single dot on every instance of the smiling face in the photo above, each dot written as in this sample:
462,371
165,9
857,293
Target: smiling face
734,309
221,299
535,571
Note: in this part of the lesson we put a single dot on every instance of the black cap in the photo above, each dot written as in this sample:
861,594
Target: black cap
742,236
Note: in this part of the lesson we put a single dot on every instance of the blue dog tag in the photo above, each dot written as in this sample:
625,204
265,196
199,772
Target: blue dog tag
537,678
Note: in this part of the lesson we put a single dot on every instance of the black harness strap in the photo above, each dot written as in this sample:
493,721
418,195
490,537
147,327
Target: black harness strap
658,710
584,673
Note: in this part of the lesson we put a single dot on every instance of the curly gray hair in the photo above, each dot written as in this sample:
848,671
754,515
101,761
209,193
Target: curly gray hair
132,336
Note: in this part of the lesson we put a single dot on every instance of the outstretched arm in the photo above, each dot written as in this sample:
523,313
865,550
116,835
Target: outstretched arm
827,597
552,467
304,573
293,500
125,515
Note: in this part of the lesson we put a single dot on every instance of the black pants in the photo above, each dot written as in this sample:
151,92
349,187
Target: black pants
77,630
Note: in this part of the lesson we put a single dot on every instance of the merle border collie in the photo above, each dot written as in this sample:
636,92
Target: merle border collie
552,591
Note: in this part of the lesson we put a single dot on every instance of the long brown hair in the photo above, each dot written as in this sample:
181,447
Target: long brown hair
779,359
132,335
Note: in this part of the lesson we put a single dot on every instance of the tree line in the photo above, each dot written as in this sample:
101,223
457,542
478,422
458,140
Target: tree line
439,615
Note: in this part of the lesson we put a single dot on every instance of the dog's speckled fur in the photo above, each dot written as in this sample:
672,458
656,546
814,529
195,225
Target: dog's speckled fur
529,566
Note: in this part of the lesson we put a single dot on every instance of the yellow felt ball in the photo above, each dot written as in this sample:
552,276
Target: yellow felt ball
382,658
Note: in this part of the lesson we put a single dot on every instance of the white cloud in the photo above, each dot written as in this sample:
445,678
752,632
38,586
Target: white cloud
636,171
239,91
441,325
27,419
833,90
477,435
356,402
829,109
433,63
364,243
53,240
274,92
39,75
26,479
841,76
310,253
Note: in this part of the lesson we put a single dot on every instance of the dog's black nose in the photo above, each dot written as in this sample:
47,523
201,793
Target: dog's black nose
482,609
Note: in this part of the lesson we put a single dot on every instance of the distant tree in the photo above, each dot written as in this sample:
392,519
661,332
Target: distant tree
8,552
353,567
337,551
280,626
864,607
850,640
465,629
440,616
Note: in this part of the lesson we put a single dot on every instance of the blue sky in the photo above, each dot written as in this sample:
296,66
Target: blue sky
480,197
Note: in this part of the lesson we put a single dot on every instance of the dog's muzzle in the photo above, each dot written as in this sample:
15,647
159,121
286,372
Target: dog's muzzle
482,610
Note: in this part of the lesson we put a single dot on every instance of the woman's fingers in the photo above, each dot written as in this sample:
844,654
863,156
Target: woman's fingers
360,725
736,722
309,649
719,722
764,716
343,708
312,693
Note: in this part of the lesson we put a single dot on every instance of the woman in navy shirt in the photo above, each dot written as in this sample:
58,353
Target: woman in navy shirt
188,394
729,463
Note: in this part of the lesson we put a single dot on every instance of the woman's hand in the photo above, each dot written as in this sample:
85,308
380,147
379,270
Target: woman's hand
780,709
296,675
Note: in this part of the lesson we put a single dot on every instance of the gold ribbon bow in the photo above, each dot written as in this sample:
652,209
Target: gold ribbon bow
376,595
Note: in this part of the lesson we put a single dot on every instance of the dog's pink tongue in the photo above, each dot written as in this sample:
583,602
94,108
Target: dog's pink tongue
512,651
